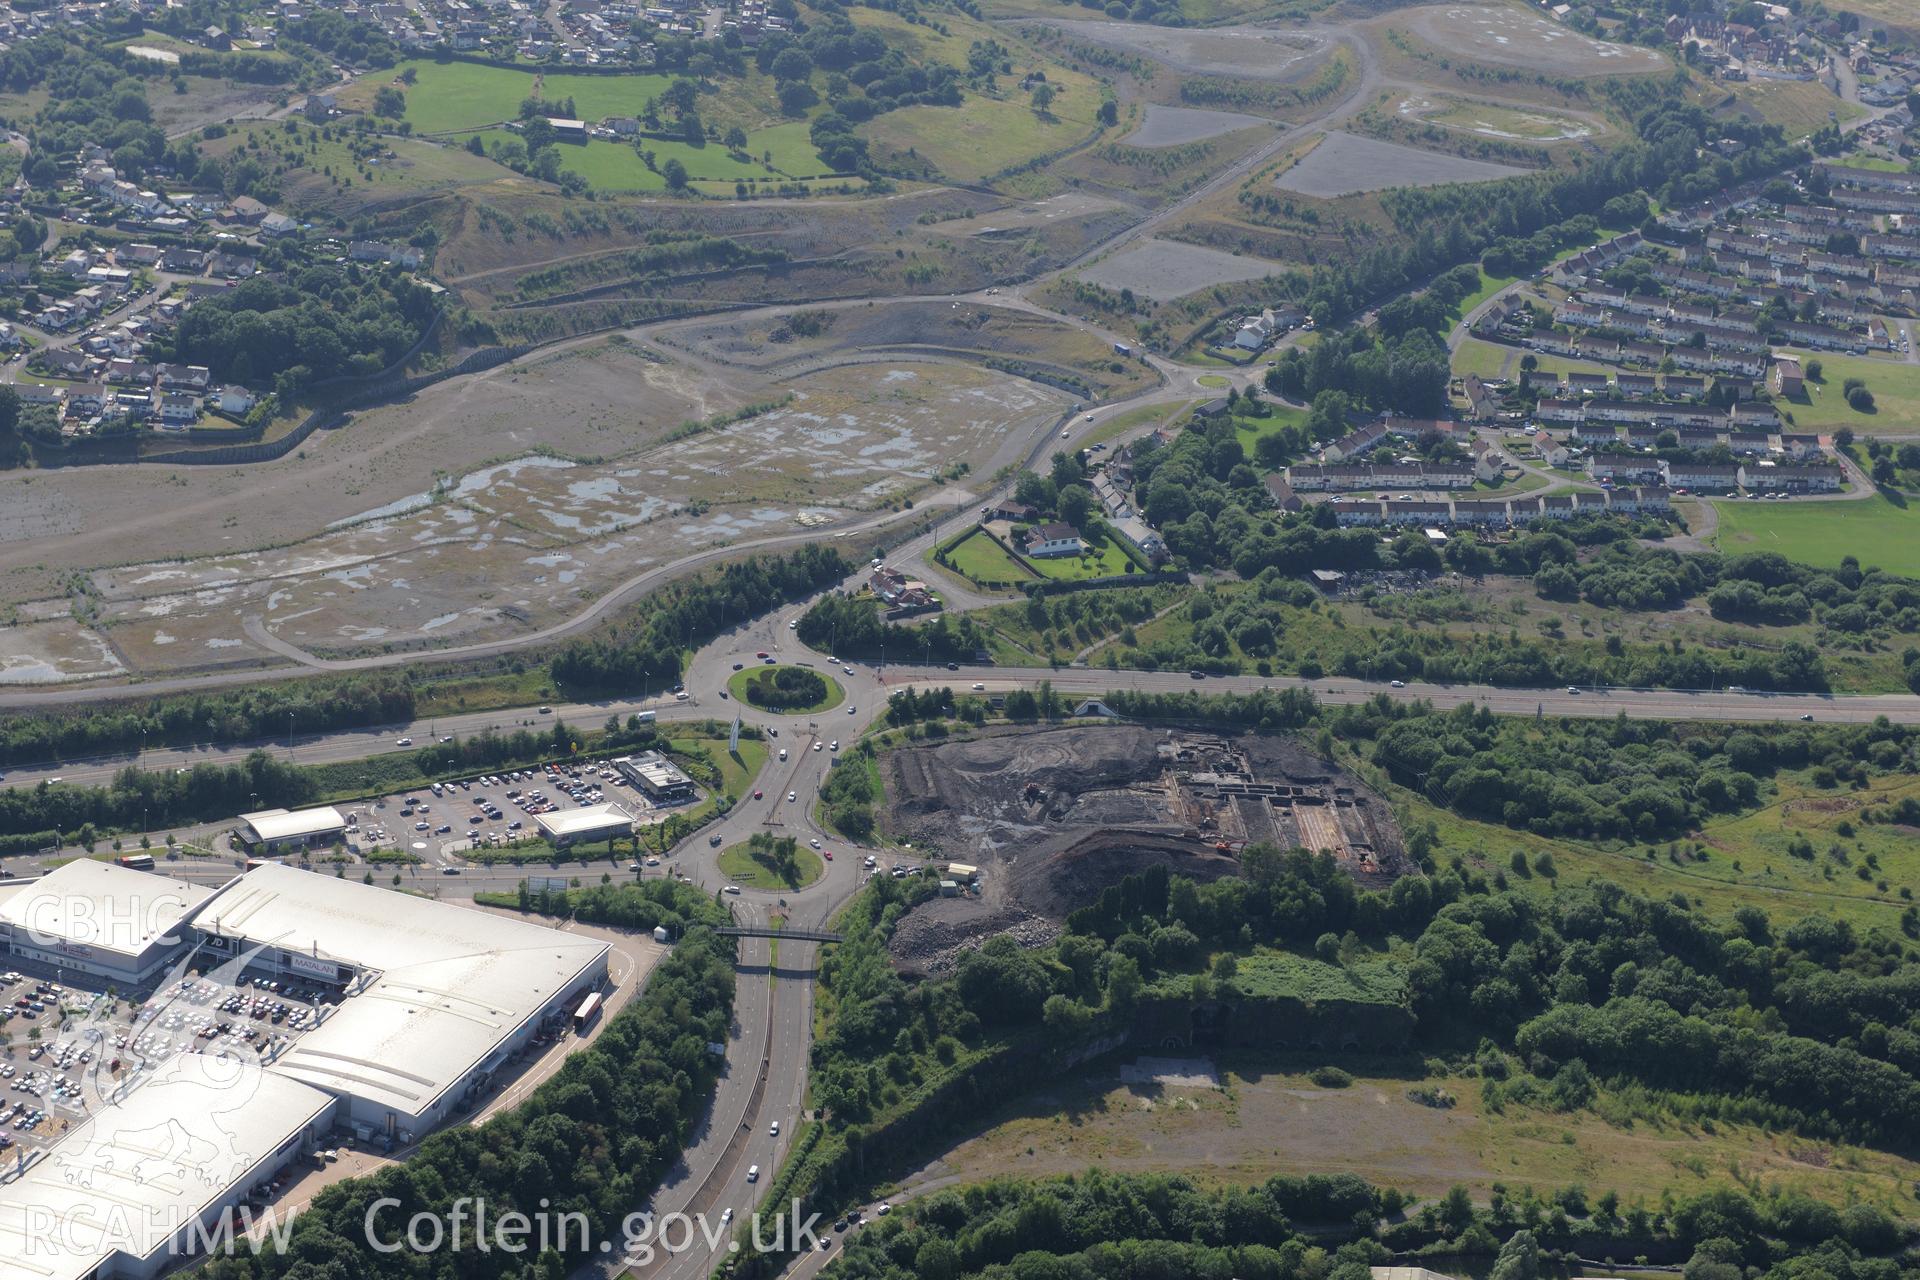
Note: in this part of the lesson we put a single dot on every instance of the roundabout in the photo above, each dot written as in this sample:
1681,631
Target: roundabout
786,690
766,861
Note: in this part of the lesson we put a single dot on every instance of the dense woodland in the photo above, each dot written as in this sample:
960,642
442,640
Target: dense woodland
327,321
1167,1227
1541,1001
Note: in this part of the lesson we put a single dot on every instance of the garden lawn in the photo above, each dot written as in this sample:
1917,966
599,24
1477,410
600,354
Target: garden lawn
1820,533
1104,561
740,867
980,559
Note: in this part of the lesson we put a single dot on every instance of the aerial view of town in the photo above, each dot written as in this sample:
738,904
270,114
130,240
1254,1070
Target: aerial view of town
959,640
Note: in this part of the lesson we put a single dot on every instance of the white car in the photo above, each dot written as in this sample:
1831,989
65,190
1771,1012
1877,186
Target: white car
773,1130
978,687
404,742
792,796
834,745
732,888
814,843
1398,684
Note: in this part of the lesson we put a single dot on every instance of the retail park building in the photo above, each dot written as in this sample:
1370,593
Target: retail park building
433,1000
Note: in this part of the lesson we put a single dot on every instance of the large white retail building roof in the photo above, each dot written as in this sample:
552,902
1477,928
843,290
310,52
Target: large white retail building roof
135,1174
453,982
101,905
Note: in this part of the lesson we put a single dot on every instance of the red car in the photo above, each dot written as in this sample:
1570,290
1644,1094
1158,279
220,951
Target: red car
756,793
761,654
827,854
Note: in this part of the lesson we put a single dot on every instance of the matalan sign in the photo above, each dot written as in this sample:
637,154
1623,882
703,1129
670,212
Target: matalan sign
313,968
547,884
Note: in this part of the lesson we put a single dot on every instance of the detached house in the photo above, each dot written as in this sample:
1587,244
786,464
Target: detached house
1047,541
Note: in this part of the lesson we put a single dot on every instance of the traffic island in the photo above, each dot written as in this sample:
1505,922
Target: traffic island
788,690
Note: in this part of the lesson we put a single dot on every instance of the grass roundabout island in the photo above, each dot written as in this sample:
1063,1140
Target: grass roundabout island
786,689
770,862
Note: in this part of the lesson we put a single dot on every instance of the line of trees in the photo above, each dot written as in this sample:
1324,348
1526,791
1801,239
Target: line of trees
651,641
1337,1227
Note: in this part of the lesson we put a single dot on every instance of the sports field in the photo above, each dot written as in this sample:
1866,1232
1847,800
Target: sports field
461,95
1820,533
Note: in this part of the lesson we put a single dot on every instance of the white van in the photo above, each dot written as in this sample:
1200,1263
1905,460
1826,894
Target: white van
783,753
753,1173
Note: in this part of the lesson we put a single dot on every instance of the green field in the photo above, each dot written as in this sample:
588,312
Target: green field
447,96
322,171
739,865
1489,285
1484,358
1732,862
738,682
736,776
1475,355
1820,533
1798,106
1268,1105
986,136
1896,393
1248,429
980,558
617,166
